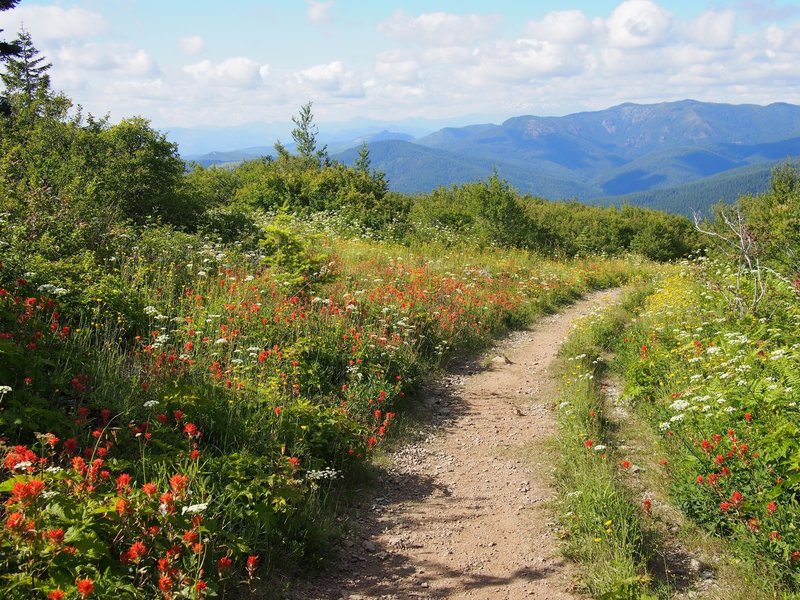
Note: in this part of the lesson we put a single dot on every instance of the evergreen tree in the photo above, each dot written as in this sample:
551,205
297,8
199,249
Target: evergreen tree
305,136
363,161
8,48
26,74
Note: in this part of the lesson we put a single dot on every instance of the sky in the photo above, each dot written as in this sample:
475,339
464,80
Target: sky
200,63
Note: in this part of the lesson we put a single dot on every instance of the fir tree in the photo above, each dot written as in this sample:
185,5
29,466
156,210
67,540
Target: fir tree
305,136
8,48
26,73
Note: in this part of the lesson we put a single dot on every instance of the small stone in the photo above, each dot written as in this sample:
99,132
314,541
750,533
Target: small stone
369,546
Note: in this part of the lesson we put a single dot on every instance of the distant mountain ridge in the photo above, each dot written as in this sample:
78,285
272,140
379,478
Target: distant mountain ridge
633,151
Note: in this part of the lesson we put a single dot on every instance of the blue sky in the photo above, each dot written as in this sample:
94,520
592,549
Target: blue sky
188,64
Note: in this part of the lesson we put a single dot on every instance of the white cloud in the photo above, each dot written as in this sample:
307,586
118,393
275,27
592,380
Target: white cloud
238,72
192,44
638,23
523,61
55,23
439,28
107,57
713,28
562,27
397,67
331,78
319,11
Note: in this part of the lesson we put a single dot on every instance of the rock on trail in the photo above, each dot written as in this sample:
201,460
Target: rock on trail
464,512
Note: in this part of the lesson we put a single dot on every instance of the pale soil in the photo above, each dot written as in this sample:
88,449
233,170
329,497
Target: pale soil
464,513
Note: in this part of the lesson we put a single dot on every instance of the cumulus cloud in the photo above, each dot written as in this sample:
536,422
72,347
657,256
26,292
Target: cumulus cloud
759,11
192,44
713,28
439,28
638,23
55,23
331,78
319,11
238,72
397,67
523,61
104,57
562,27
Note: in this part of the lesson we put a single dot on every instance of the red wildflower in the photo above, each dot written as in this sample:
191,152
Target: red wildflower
278,410
165,583
191,430
122,506
16,520
772,507
137,550
56,594
294,461
224,563
774,535
725,506
56,536
748,417
124,483
647,504
17,455
178,483
625,464
149,489
85,586
251,564
589,443
699,479
737,497
190,537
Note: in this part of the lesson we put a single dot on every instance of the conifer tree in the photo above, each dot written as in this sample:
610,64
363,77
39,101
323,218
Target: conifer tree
8,48
26,73
305,136
363,162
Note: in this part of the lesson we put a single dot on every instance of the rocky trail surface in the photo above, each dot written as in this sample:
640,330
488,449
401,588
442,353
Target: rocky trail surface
463,512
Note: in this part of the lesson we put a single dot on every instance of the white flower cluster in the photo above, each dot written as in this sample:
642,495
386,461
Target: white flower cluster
326,473
49,288
194,508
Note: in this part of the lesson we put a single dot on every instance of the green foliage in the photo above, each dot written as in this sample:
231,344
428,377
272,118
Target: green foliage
305,136
773,219
492,213
605,528
285,250
720,387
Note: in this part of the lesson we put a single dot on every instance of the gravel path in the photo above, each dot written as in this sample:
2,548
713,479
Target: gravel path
464,512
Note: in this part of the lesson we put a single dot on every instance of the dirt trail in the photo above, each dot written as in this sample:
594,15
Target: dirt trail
463,513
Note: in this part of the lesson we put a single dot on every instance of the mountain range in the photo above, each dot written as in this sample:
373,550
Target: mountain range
676,156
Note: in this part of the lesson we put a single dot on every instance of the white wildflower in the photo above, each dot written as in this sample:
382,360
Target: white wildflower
194,508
